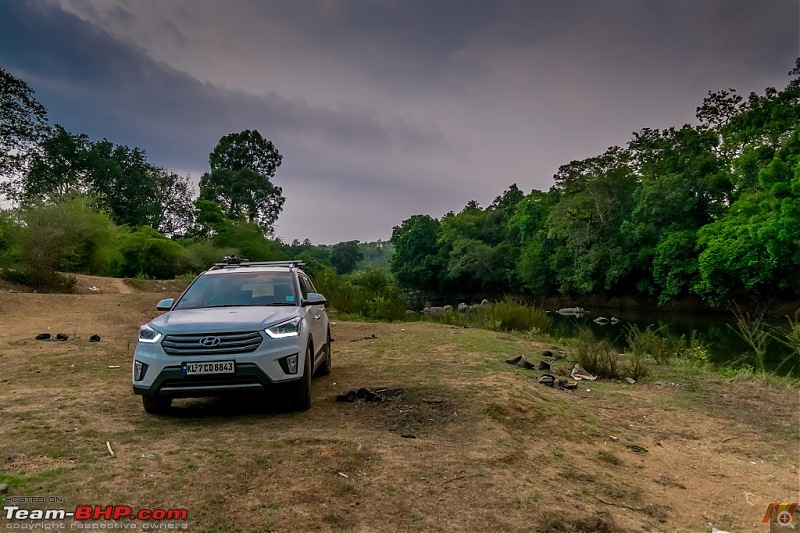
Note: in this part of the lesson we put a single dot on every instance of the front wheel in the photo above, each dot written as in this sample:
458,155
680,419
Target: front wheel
156,405
303,401
325,368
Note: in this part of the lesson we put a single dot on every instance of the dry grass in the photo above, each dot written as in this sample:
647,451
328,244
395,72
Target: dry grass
494,450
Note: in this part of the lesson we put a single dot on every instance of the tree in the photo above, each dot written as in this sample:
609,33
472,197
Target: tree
242,165
23,124
416,263
125,183
345,256
59,169
174,196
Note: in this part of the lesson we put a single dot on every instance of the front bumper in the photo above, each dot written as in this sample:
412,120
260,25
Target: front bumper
258,371
247,377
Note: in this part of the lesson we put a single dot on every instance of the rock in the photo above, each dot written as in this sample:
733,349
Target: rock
408,436
631,381
463,307
543,365
3,488
409,312
62,336
447,308
571,311
94,338
601,320
547,353
614,320
43,337
514,360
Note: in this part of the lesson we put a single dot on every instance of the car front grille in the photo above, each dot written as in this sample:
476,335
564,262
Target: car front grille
204,344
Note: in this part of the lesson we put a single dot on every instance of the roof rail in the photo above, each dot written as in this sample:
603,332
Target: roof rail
245,263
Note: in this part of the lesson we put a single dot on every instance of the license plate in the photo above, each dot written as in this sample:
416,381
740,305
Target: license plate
207,367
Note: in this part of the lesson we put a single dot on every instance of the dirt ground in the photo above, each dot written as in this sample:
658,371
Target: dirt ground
492,449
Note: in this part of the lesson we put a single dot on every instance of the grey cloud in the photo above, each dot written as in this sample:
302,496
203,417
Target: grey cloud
95,84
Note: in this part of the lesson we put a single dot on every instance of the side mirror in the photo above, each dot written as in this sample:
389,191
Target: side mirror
165,305
314,298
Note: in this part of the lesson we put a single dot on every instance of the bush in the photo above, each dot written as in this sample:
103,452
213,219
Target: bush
71,236
648,342
598,356
147,253
371,293
249,240
508,315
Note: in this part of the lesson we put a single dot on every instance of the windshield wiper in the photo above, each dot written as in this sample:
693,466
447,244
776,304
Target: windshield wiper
281,303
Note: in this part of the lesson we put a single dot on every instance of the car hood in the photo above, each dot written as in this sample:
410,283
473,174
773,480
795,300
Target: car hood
221,319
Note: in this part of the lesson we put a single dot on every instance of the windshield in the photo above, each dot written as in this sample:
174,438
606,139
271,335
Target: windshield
240,289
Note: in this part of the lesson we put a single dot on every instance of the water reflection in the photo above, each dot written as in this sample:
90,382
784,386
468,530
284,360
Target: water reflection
717,332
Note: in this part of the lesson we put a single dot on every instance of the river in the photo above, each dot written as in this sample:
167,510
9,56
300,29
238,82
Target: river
717,332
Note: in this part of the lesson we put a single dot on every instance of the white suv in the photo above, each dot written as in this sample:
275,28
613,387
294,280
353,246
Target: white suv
239,327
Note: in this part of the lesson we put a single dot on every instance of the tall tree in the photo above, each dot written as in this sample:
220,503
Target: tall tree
345,256
242,165
23,125
416,262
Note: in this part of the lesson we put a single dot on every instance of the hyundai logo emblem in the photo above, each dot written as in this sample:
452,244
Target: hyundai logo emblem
209,342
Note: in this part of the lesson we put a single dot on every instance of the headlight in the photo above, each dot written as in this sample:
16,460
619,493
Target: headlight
290,328
148,334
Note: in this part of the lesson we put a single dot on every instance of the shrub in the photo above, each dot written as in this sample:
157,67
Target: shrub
598,356
70,236
508,315
147,253
649,342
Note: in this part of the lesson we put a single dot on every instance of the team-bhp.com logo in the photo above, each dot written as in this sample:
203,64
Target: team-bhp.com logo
95,512
782,516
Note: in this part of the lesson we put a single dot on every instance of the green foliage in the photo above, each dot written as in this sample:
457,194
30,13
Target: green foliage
249,240
147,253
72,236
509,315
345,256
416,263
23,123
242,165
506,315
369,293
376,254
649,343
598,356
710,210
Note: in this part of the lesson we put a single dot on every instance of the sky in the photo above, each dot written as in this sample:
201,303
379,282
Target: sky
384,109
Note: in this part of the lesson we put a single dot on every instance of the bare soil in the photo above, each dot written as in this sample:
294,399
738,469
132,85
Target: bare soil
492,449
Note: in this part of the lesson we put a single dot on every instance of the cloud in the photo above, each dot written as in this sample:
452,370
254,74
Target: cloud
97,84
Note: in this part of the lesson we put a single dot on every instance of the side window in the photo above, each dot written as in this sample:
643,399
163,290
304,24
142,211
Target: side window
304,285
310,285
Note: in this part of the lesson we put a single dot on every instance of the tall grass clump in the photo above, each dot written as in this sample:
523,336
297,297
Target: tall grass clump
509,315
754,331
649,342
598,356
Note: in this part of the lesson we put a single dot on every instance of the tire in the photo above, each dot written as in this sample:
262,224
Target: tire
303,400
325,368
156,405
